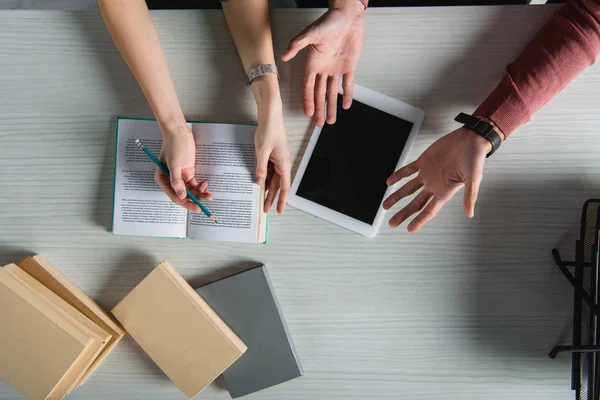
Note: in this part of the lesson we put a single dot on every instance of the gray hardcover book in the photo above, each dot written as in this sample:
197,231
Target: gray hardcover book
247,304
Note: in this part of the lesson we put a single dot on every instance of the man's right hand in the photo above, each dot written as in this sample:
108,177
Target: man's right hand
179,153
449,164
334,45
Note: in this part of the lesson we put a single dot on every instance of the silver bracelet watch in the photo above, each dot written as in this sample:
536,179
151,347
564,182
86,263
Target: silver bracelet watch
261,70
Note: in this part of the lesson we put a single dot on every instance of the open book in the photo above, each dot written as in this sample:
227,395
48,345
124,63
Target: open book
225,157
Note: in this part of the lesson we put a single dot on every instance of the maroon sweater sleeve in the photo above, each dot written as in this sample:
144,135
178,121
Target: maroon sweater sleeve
563,48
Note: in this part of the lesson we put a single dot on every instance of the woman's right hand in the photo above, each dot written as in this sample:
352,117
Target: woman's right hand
179,153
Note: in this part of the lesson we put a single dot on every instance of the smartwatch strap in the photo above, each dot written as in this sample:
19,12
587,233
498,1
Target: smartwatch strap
481,128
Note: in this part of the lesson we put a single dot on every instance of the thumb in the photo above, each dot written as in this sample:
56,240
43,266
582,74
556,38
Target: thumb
177,182
262,162
471,192
305,38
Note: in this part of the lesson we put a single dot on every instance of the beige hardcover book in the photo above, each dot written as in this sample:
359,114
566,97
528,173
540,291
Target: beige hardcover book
99,335
178,330
50,277
39,347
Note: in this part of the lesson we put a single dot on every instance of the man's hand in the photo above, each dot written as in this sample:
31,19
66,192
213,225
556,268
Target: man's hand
451,163
179,153
335,41
273,160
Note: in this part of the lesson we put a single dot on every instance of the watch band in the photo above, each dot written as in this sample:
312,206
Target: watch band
261,70
481,128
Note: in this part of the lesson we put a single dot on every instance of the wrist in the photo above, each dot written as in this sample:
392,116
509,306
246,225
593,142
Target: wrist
270,115
267,95
479,141
173,124
354,7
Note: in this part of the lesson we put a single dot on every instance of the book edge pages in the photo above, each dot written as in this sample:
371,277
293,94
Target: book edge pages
92,310
36,301
99,341
261,229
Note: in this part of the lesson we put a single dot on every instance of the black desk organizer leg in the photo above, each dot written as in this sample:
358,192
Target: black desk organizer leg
585,371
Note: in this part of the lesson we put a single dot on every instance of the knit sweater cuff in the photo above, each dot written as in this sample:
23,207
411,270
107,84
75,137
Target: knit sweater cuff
505,107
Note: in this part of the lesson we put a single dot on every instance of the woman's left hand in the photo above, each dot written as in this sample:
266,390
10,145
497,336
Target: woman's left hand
273,160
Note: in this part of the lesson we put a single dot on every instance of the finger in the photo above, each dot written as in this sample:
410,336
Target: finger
428,213
320,93
206,196
164,182
191,206
270,171
302,40
308,90
402,173
189,178
414,206
203,195
284,189
406,190
332,92
177,182
202,187
262,164
273,189
348,87
472,191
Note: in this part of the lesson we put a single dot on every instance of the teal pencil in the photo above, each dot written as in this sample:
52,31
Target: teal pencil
164,169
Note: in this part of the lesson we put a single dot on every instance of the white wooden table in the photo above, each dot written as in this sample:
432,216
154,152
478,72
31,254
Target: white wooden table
465,309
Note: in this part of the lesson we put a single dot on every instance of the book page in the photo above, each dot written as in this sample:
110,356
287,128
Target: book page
225,157
140,205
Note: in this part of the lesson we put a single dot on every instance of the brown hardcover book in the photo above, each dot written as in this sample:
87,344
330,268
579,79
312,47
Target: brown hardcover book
178,330
40,347
54,280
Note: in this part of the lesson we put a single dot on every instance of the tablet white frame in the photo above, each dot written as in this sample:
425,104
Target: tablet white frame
380,102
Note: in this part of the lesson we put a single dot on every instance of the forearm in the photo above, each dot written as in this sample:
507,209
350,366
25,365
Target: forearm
563,48
130,26
250,27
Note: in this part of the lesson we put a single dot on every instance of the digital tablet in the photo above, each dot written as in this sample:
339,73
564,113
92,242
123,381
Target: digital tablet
342,176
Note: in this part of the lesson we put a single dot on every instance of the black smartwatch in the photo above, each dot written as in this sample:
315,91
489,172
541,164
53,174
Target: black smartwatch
481,128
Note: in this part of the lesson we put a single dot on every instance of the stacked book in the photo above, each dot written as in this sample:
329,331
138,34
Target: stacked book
232,327
54,336
57,335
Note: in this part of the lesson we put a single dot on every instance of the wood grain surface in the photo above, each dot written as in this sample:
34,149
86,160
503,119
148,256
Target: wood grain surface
465,309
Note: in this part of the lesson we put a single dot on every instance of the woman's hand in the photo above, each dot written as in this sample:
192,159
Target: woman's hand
273,161
334,44
250,26
451,163
130,25
179,153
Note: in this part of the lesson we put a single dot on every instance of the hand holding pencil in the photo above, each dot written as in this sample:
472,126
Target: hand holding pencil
180,185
